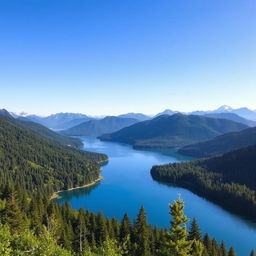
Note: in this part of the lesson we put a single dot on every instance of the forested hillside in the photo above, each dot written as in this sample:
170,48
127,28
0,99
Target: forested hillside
98,127
228,180
221,144
38,164
41,130
173,131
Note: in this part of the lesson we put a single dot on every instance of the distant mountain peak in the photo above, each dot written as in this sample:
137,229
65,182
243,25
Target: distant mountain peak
166,112
224,108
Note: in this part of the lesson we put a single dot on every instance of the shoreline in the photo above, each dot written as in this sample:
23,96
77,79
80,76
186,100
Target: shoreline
56,195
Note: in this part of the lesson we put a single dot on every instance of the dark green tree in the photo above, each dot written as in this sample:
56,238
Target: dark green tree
231,252
194,232
223,249
142,234
12,214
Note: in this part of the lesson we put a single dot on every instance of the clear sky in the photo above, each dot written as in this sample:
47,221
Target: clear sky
117,56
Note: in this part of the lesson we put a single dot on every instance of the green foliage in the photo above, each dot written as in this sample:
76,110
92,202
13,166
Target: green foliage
228,180
142,235
194,232
38,164
177,243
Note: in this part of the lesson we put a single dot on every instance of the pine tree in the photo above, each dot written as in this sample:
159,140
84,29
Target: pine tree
81,230
231,252
101,231
125,228
12,214
198,248
208,244
223,250
177,243
142,234
194,232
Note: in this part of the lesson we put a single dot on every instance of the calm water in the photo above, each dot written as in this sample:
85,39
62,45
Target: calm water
127,185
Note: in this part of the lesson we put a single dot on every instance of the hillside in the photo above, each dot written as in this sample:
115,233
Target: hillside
233,117
41,165
42,130
221,144
173,131
98,127
228,180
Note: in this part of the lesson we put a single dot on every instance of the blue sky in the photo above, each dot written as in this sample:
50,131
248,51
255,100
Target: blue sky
116,56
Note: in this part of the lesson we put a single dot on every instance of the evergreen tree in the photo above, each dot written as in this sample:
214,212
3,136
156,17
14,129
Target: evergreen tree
194,232
177,243
223,250
81,230
142,234
101,231
125,228
198,248
12,214
231,252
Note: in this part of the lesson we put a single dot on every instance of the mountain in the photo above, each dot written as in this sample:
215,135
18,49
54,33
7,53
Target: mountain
39,164
138,116
223,109
173,131
42,130
242,112
4,112
57,121
166,112
228,180
246,113
221,144
98,127
233,117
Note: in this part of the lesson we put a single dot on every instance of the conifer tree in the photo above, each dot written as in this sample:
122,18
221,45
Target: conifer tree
125,228
194,232
12,214
223,250
197,248
208,243
142,234
101,231
231,252
177,243
81,230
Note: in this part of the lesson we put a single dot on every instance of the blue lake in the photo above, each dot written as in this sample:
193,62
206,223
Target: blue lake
127,185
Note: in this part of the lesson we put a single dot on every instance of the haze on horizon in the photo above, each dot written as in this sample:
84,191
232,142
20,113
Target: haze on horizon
112,57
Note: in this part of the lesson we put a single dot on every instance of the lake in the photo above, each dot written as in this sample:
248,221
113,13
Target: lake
127,185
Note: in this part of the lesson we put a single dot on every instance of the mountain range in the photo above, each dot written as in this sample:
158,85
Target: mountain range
173,131
57,121
96,128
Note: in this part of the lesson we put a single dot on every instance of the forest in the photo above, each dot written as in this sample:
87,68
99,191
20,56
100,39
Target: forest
228,180
40,165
